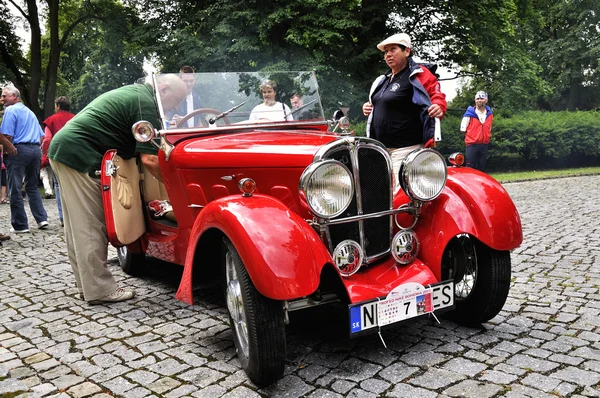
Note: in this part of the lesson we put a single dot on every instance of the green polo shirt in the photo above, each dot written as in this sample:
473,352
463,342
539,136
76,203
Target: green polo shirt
105,124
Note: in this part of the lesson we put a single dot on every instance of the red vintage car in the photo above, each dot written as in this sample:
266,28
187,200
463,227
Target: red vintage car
289,215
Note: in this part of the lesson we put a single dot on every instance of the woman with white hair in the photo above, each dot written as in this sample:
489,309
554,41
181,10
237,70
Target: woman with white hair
270,109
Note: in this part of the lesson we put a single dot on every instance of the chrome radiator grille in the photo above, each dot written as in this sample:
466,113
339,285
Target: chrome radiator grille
370,167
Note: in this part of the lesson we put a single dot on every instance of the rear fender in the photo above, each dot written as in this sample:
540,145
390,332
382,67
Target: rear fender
471,203
282,253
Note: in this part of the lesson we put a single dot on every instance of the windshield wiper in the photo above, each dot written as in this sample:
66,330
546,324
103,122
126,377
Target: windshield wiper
213,120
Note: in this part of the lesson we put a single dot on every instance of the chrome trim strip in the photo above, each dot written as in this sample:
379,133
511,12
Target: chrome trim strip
366,216
233,128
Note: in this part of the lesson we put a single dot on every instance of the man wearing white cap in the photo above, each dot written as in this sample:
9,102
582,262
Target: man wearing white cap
477,126
403,103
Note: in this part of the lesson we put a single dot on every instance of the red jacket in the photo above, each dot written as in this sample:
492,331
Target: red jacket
477,132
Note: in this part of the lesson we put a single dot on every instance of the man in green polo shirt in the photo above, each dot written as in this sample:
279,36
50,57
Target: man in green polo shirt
75,154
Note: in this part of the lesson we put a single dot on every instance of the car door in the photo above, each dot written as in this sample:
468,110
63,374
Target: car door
121,196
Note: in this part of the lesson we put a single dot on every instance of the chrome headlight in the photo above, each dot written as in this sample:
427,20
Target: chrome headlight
423,174
143,131
327,187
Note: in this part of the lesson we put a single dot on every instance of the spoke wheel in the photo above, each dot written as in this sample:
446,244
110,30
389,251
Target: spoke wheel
256,321
481,279
131,263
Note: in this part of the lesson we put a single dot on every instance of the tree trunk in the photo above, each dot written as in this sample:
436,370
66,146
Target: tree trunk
52,69
36,59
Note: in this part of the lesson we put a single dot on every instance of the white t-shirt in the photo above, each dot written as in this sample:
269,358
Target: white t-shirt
276,112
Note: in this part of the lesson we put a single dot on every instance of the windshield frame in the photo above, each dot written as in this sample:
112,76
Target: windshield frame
238,101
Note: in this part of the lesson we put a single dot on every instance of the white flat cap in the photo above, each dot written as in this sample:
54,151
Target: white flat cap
398,38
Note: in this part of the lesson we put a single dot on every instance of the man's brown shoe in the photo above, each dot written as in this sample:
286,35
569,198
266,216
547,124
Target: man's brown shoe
119,295
4,237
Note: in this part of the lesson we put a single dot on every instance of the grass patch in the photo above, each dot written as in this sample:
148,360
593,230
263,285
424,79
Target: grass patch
544,174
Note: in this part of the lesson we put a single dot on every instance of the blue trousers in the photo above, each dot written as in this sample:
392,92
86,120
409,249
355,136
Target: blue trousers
477,156
24,167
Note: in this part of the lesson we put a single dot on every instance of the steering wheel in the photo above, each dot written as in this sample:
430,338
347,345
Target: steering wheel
199,111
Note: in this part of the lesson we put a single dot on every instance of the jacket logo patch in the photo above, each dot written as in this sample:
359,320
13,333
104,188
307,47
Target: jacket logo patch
395,87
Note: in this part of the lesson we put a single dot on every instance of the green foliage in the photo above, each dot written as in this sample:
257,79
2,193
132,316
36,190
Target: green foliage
99,56
534,140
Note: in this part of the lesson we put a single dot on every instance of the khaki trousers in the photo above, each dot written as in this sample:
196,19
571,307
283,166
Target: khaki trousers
398,155
85,231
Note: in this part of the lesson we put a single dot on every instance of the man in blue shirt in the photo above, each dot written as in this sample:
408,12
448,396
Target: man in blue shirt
21,127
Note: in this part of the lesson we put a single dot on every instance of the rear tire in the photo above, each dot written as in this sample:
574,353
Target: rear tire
481,279
256,321
131,263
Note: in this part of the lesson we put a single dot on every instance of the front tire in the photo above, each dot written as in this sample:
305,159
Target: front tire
131,263
481,279
256,321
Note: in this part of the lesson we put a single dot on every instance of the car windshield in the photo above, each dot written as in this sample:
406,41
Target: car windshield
215,100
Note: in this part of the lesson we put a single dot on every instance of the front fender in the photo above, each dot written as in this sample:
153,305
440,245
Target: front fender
282,253
473,203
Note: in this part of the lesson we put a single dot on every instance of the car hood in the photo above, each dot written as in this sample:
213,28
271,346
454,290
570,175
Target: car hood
251,149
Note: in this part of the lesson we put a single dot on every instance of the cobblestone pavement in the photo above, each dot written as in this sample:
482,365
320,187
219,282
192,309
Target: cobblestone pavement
545,342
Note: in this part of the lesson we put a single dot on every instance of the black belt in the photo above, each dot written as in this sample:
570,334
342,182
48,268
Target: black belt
27,143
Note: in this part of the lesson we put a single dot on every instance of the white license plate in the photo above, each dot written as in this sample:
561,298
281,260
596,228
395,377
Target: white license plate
391,310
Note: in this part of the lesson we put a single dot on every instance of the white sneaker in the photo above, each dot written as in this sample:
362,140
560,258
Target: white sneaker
19,231
43,225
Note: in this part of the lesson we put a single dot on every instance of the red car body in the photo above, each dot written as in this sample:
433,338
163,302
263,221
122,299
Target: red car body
464,233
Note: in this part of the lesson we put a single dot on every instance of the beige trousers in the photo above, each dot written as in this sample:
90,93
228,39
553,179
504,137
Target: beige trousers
85,231
398,155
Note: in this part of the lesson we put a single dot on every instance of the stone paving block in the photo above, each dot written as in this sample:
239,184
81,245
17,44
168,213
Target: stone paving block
31,381
66,381
241,392
577,376
119,385
210,392
168,367
84,390
473,389
10,364
405,390
312,372
181,391
322,393
397,372
291,386
234,380
12,386
110,373
202,376
44,389
375,386
355,370
44,364
39,357
358,393
5,356
142,377
464,366
163,385
55,372
436,378
527,362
